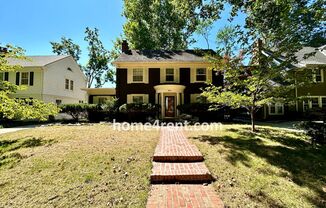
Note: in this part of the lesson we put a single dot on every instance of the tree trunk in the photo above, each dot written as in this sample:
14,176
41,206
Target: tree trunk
252,115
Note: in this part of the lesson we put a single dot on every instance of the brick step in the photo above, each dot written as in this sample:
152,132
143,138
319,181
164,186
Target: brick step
183,195
180,172
174,147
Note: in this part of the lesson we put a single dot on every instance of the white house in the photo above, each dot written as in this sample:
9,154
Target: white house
56,79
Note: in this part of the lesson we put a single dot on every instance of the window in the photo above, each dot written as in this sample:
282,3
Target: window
323,102
81,101
67,84
24,78
2,76
137,99
201,75
71,85
276,108
137,75
305,105
69,69
169,75
58,102
314,102
318,75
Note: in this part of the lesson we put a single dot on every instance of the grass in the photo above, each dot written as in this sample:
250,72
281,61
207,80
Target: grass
273,168
75,166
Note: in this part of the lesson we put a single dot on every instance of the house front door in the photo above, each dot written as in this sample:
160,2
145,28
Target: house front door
169,106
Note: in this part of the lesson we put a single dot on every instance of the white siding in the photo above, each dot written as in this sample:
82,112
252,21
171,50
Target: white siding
54,78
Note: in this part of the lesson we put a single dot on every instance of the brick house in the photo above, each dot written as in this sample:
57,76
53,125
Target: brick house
167,78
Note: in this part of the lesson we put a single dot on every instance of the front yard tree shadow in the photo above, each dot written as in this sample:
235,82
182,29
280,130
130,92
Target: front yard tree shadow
9,154
304,165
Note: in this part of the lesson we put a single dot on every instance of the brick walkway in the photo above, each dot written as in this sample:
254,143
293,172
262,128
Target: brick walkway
177,161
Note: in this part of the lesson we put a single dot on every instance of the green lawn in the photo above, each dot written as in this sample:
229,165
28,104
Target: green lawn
273,168
75,166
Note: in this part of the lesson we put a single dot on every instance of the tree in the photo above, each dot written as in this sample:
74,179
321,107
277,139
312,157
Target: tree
162,24
97,69
12,108
284,27
66,47
226,39
204,29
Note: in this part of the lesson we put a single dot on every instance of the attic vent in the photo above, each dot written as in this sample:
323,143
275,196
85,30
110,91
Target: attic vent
69,69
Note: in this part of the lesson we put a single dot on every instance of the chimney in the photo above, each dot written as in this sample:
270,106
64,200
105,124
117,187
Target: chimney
125,46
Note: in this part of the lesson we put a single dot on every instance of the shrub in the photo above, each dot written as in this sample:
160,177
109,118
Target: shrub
77,111
315,130
201,110
105,111
138,111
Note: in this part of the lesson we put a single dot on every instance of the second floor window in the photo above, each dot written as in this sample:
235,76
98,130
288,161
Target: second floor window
137,75
169,75
318,75
25,78
71,85
67,84
201,75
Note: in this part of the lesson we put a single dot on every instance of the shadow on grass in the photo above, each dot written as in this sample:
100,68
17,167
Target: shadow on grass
304,165
8,156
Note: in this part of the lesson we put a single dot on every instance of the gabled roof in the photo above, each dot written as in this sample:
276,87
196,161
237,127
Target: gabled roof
311,56
36,61
163,56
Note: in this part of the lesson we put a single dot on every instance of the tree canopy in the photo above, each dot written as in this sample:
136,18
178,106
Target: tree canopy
97,68
163,24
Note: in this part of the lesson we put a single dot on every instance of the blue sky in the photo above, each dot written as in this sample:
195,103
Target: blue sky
33,24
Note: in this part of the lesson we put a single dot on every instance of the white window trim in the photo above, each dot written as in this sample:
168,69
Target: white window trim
320,104
176,77
130,75
276,105
21,77
68,84
195,78
321,74
130,97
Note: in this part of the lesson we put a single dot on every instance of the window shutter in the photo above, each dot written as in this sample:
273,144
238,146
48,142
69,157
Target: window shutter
31,78
146,75
177,75
17,78
162,75
129,99
6,76
209,75
146,98
129,75
192,75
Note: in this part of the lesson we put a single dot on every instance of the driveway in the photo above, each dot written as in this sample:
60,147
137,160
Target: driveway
19,128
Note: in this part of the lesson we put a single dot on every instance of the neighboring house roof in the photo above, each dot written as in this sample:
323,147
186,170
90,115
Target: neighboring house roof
306,56
163,56
311,56
36,61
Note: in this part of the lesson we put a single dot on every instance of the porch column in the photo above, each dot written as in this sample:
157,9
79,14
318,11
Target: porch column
162,104
178,103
